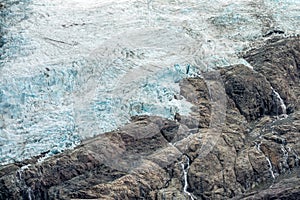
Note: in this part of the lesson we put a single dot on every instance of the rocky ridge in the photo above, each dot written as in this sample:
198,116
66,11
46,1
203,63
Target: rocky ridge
255,156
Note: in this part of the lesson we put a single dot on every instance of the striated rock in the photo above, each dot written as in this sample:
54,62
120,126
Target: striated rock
279,62
255,154
250,91
286,188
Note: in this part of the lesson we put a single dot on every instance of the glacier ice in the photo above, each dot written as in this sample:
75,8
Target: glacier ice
74,69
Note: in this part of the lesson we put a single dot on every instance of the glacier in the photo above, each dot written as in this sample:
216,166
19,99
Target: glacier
74,69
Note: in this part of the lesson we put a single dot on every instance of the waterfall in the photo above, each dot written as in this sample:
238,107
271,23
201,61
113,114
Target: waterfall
185,168
285,157
268,160
282,104
24,186
270,167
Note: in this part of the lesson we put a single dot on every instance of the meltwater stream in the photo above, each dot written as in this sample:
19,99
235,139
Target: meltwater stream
72,69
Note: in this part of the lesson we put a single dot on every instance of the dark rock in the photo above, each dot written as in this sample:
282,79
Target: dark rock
253,154
279,62
250,91
286,188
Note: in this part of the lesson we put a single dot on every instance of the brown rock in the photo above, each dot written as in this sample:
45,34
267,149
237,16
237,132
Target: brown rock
253,154
279,62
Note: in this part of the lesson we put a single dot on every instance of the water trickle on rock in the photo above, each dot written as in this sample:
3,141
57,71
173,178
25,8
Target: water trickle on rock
185,168
270,167
282,105
22,183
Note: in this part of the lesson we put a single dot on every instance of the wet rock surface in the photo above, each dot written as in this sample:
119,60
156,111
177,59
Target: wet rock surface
255,156
250,91
279,62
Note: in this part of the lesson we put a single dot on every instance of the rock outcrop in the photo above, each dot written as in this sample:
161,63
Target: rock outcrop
255,155
279,62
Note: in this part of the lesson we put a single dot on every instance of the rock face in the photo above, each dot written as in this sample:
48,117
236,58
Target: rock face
155,158
251,92
279,62
284,189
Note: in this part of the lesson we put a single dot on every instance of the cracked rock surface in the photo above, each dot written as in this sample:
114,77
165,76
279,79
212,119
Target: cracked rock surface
255,156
